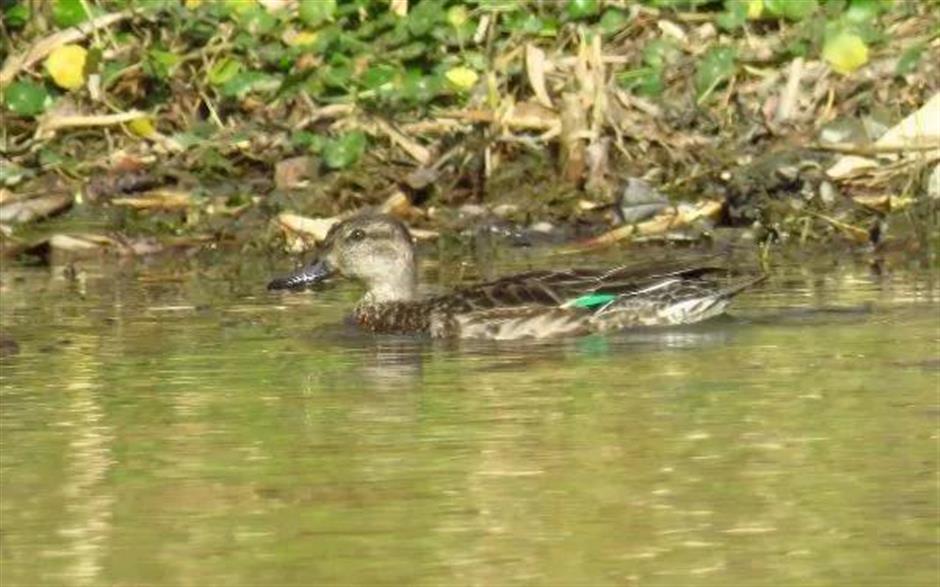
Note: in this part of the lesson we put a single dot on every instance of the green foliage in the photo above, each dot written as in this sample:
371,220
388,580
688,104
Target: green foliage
658,55
418,88
257,21
425,16
528,23
795,10
344,150
647,81
717,66
224,71
309,141
613,21
248,81
26,98
161,64
909,60
379,76
16,15
316,12
734,16
66,13
360,51
864,11
582,9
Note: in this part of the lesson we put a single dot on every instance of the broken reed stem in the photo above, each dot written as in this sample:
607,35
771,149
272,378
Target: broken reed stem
870,150
60,122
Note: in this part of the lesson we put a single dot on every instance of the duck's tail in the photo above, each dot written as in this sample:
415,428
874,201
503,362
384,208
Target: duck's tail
678,301
741,283
710,304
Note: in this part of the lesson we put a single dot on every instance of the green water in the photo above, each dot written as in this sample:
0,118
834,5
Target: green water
177,425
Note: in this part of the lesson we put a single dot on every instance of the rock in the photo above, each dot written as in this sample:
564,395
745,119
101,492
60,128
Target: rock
639,202
292,173
20,211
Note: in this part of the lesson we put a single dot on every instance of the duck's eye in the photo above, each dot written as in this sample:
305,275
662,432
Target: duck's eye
357,235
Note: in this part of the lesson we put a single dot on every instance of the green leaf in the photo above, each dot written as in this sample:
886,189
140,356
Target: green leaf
457,16
500,5
26,98
651,84
188,139
223,71
659,53
344,150
734,16
162,63
647,81
795,10
250,81
17,15
909,60
410,51
523,22
425,16
312,142
420,88
67,13
715,67
863,11
476,60
550,27
377,76
613,21
49,158
326,38
337,75
257,21
581,9
532,24
316,12
111,70
236,7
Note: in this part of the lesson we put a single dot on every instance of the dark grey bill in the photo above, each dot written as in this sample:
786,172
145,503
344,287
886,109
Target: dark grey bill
306,276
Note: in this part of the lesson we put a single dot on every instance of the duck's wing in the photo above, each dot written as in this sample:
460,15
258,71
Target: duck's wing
674,299
574,288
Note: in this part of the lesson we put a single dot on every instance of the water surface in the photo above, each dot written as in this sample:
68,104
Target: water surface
177,425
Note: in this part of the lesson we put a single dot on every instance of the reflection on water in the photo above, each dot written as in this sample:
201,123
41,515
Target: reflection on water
203,432
87,464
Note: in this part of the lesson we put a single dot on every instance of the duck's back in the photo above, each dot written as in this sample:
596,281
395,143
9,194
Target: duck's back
545,304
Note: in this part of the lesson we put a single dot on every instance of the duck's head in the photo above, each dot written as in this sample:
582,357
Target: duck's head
374,249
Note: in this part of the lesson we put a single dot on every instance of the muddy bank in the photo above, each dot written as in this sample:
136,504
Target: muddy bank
577,125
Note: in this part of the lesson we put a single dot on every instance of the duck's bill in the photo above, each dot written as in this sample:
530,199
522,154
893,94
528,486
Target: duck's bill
306,276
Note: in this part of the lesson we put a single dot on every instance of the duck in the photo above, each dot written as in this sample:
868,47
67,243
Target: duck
378,251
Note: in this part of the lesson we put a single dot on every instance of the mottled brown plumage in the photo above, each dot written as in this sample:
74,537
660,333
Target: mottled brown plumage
377,251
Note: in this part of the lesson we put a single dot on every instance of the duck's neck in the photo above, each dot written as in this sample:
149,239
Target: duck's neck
400,287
